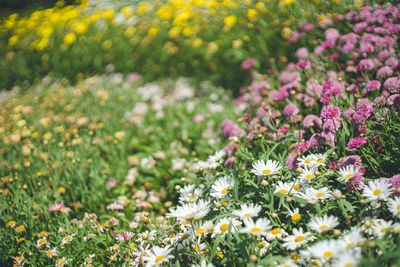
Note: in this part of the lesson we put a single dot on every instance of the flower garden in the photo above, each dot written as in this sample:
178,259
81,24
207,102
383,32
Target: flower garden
201,133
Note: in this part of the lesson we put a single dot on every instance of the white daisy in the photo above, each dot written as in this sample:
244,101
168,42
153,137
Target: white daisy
215,160
158,256
190,211
262,168
224,224
380,228
314,195
222,186
323,224
305,161
308,174
192,196
318,159
203,263
347,173
297,239
247,211
324,250
352,238
394,206
276,233
258,228
294,215
283,188
368,223
346,258
377,190
262,247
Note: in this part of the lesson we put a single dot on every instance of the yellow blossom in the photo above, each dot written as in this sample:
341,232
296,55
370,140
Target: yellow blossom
252,13
230,20
70,38
153,31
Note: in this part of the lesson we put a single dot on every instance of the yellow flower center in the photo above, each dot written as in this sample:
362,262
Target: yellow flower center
377,192
159,258
248,214
296,257
184,223
299,238
351,244
296,217
255,230
192,198
323,227
308,176
328,254
261,244
266,171
41,242
224,227
307,161
297,186
49,253
320,194
383,230
319,160
196,248
349,264
276,231
349,175
226,202
199,231
282,191
398,207
224,191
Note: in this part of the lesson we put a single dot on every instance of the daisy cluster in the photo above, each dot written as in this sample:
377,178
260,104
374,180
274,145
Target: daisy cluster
86,168
309,176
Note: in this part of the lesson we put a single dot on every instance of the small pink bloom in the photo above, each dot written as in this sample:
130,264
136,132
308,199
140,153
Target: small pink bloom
356,142
247,64
112,184
332,165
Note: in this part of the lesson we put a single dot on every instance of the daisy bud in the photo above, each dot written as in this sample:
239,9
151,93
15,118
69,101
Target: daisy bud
337,194
362,201
371,243
274,215
253,257
317,173
177,187
264,183
396,229
326,180
168,204
367,224
299,170
218,205
337,232
288,199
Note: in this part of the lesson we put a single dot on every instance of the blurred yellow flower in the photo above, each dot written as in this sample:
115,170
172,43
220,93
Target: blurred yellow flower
40,45
230,20
13,40
164,13
80,27
174,32
70,38
187,31
252,13
286,32
153,31
212,47
197,43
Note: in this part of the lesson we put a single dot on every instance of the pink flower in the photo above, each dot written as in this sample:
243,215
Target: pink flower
302,53
303,64
111,184
348,114
231,148
372,85
133,77
395,182
56,207
247,64
332,165
392,84
312,121
291,162
229,128
290,110
356,142
384,72
332,34
350,160
124,237
330,112
199,118
229,162
357,182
